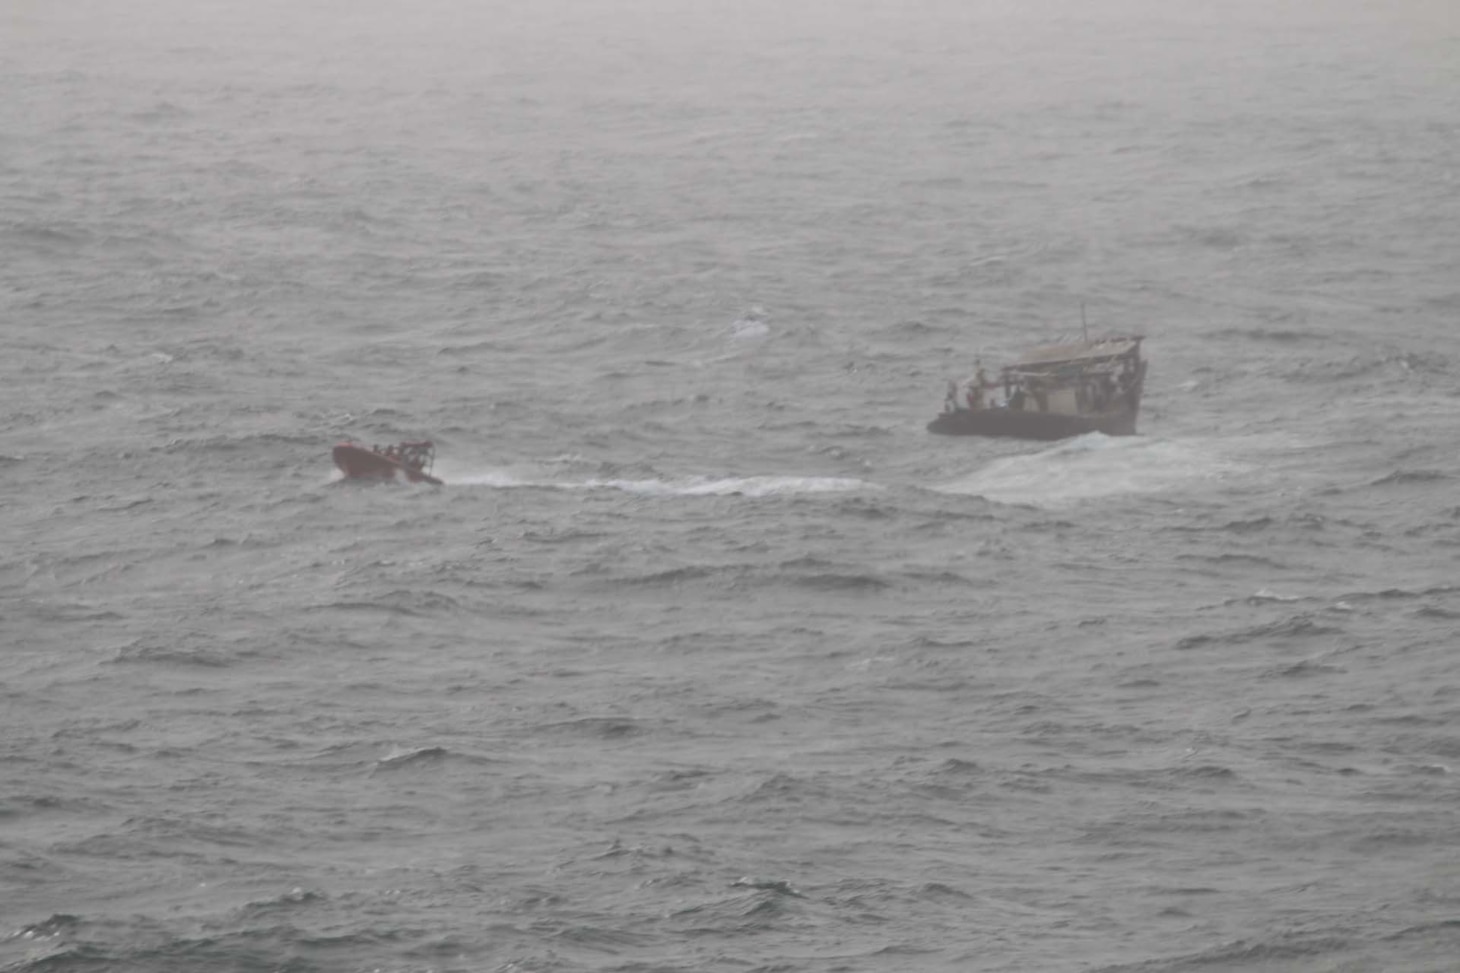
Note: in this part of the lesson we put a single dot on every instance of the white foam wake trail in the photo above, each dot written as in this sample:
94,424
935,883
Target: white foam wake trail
747,486
750,486
489,478
1095,466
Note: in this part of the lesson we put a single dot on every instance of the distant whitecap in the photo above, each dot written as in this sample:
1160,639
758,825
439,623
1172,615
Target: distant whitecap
751,325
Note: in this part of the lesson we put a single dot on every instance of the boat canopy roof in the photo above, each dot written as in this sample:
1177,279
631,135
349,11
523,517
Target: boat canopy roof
1081,353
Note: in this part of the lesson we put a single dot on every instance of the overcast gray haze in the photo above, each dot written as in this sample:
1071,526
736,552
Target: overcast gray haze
707,656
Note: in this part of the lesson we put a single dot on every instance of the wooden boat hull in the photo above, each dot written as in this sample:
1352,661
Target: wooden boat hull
362,463
1018,424
1054,392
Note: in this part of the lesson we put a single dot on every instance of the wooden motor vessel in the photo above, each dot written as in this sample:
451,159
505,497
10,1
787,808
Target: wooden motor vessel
1054,392
411,460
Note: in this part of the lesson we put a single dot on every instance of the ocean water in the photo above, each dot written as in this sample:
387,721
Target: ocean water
708,656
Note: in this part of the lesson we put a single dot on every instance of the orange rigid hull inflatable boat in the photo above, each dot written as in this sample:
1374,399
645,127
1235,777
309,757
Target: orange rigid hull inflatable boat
409,460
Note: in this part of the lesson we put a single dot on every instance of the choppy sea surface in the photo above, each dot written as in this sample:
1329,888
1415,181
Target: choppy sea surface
708,656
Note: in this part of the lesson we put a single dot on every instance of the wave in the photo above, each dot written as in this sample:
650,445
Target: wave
265,442
1288,951
51,236
597,727
755,487
405,758
1094,467
1297,627
284,902
145,944
778,886
673,576
1241,560
1278,335
750,912
811,573
1302,670
1403,477
1401,594
751,325
832,581
50,928
416,604
1262,595
1398,365
155,650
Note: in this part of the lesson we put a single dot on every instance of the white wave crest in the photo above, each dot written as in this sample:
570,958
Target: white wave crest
751,325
